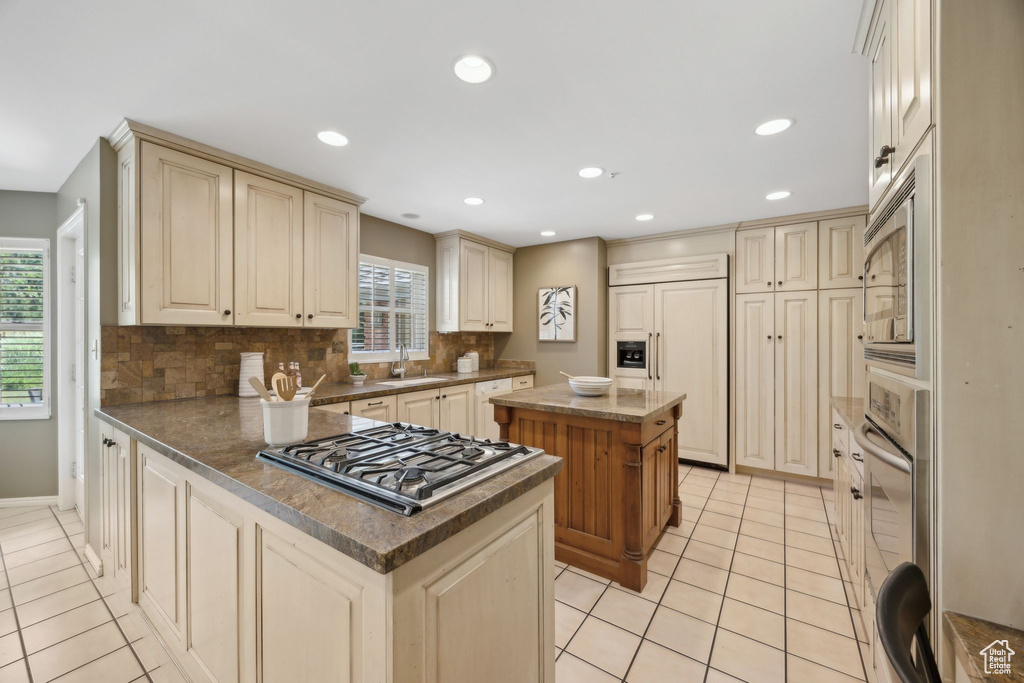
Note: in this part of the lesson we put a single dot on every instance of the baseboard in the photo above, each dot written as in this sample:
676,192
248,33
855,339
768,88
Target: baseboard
31,501
94,560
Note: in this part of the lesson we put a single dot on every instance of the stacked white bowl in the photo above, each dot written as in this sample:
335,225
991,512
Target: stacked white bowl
590,386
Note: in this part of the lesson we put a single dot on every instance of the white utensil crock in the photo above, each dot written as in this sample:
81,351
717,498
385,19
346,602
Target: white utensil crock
285,422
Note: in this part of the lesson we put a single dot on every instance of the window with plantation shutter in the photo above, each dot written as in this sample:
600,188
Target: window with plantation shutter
24,267
393,310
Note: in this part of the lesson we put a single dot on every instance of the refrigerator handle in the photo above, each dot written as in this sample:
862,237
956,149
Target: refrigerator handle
657,362
649,349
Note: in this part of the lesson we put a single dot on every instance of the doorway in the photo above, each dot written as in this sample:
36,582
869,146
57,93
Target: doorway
71,363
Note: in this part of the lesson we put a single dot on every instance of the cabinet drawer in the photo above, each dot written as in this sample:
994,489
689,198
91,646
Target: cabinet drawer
339,408
519,383
655,428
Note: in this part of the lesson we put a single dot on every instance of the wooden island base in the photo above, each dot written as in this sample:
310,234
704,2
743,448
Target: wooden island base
618,489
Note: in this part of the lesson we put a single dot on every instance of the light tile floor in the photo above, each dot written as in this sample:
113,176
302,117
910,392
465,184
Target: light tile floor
750,587
58,620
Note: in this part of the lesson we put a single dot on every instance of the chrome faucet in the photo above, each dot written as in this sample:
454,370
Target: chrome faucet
403,355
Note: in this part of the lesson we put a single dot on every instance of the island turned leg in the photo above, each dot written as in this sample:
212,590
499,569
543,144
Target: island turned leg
633,565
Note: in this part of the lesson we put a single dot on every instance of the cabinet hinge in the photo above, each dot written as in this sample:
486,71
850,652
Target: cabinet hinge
72,274
74,470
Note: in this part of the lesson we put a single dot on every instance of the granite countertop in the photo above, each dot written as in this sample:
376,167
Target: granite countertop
624,405
339,392
218,438
850,409
971,635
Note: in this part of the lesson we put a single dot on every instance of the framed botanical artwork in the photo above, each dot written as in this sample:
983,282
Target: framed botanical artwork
556,314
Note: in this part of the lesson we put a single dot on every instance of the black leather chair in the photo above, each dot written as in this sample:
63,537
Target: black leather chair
900,610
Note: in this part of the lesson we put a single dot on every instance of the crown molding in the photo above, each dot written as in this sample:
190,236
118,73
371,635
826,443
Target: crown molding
476,238
745,225
128,129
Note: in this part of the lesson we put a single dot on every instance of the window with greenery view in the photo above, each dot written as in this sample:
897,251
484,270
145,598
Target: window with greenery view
23,328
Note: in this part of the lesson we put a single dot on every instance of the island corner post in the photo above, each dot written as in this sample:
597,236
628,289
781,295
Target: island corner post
619,486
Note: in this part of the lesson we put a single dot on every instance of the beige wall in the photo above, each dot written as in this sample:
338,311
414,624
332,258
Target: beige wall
28,448
384,239
980,321
579,262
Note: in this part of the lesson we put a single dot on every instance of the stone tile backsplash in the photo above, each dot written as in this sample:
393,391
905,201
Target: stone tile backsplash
143,364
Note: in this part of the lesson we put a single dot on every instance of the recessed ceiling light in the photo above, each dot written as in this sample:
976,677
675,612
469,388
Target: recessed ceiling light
411,216
473,69
548,233
645,217
774,126
473,201
591,172
333,138
782,194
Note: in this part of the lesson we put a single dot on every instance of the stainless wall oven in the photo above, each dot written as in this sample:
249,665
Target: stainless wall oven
895,268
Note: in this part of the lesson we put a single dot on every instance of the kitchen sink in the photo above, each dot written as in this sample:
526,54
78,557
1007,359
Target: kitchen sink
411,382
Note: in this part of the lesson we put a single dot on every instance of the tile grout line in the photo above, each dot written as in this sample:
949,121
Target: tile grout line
785,589
103,599
17,621
728,578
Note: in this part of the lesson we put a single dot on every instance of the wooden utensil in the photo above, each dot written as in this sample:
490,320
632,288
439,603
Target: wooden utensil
313,390
260,389
566,374
284,385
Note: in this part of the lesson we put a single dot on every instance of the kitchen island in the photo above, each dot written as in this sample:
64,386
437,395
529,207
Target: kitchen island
249,572
619,487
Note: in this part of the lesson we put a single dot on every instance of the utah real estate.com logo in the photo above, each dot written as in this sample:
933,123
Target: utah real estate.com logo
997,657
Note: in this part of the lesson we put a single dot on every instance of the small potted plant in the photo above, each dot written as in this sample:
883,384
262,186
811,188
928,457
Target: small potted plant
356,374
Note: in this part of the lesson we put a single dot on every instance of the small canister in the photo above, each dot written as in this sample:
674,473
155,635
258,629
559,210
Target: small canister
476,360
464,365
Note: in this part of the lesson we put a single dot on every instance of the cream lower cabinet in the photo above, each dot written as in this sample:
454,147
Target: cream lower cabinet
237,595
420,408
116,503
841,369
458,409
777,381
384,408
339,408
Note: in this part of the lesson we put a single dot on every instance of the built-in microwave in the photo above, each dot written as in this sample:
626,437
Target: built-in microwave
895,271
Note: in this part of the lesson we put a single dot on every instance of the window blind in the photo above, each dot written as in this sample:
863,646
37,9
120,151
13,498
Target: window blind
22,325
392,307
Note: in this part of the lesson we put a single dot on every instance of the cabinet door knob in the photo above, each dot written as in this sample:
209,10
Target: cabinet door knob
769,336
227,311
769,283
860,277
835,452
779,337
310,316
886,150
298,316
860,336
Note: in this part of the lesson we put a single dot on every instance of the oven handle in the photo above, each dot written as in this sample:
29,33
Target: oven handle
891,459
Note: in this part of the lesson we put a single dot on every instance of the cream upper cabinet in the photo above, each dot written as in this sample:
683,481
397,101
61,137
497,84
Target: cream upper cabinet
331,262
880,131
796,257
186,235
841,252
796,383
268,252
841,370
780,259
209,238
912,78
755,261
420,408
499,289
755,380
458,409
474,286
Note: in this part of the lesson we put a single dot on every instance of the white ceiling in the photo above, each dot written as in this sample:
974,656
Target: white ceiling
667,93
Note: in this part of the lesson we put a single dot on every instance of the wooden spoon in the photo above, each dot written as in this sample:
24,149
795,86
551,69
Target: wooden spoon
262,390
313,390
566,374
284,385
